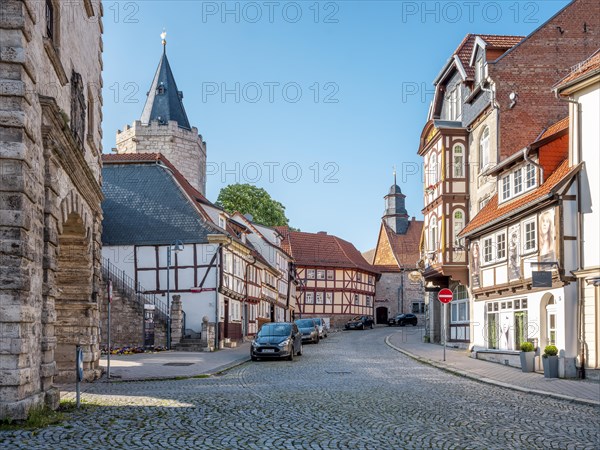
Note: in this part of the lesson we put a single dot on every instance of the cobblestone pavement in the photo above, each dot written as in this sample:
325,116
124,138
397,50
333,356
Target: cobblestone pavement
350,391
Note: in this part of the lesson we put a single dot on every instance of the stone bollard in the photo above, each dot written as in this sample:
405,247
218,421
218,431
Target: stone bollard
176,320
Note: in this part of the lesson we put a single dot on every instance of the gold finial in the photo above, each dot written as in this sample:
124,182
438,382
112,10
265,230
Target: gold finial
163,36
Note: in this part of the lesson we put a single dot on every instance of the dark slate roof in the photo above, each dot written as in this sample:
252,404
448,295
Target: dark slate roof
164,101
143,205
395,189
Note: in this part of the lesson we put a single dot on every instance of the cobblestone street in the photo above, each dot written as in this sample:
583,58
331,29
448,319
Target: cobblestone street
350,391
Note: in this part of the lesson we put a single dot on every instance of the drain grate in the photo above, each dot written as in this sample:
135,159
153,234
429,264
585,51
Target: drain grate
178,364
340,372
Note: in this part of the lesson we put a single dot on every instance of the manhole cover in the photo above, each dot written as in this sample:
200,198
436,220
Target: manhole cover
178,364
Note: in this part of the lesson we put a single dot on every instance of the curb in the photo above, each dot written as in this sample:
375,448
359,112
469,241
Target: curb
480,379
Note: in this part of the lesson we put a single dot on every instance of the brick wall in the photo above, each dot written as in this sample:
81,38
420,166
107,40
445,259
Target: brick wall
535,65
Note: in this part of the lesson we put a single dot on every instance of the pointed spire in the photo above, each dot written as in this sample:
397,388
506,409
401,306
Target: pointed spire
164,100
395,184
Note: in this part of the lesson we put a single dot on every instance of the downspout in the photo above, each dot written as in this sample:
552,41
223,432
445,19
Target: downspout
495,106
533,163
580,254
402,288
245,310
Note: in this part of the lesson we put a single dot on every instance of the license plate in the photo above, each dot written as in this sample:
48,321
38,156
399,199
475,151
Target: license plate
268,350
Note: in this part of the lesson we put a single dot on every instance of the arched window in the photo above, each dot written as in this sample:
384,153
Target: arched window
433,234
432,171
459,224
484,148
459,161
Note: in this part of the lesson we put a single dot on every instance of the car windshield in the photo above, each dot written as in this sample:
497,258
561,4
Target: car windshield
318,322
275,329
357,318
304,323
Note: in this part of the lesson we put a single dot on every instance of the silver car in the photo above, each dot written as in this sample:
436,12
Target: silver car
309,330
322,327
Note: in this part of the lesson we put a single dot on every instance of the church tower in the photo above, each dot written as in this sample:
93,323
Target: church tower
395,215
164,128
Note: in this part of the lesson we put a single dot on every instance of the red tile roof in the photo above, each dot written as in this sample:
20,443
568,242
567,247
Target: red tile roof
322,250
493,211
581,70
406,246
557,127
465,48
501,41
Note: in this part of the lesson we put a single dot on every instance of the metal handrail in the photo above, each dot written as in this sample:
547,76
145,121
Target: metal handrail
135,292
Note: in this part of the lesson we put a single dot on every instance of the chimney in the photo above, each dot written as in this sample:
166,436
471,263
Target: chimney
322,232
249,217
413,218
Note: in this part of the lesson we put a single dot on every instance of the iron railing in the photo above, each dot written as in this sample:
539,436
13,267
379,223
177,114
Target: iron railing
134,292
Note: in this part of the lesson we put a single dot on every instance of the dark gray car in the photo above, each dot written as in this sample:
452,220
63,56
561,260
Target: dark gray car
309,330
277,340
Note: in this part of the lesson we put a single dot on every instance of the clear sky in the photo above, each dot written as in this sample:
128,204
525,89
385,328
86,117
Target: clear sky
313,101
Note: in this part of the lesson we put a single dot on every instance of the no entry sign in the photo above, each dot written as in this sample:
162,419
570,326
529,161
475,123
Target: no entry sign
445,296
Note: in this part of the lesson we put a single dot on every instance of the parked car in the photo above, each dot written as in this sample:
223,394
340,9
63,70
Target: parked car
360,323
402,320
309,330
322,327
277,340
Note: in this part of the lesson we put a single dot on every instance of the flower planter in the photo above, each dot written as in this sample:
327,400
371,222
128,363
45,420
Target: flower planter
550,366
527,361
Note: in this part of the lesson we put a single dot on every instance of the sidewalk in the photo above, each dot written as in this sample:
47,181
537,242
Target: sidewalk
409,342
172,364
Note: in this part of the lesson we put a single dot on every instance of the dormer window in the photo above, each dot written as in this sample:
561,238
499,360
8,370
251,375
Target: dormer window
454,100
479,70
530,176
222,222
160,90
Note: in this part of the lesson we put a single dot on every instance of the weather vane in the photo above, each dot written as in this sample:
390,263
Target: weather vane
163,36
394,174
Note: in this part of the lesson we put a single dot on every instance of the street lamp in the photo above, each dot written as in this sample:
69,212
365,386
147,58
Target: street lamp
176,246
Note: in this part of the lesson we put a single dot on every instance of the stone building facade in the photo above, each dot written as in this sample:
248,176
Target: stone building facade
50,196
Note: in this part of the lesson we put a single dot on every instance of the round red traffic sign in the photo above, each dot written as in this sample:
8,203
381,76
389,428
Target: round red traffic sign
445,296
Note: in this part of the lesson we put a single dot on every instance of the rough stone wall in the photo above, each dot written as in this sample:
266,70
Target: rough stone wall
127,322
387,294
183,148
533,67
46,176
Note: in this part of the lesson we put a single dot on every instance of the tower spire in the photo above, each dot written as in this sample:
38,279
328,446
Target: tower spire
395,176
163,36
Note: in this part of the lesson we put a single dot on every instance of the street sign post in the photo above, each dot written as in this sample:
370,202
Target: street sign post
445,296
79,373
109,288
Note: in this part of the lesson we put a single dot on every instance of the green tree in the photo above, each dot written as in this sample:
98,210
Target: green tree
248,199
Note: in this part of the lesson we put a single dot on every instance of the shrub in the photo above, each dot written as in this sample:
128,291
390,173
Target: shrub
550,350
527,347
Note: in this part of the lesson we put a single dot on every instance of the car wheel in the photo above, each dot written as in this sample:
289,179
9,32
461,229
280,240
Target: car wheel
300,351
415,323
253,358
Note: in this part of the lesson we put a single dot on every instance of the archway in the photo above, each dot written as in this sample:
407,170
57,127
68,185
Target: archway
76,310
381,314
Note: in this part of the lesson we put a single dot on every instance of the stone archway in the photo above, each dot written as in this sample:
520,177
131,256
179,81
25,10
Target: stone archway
381,314
76,308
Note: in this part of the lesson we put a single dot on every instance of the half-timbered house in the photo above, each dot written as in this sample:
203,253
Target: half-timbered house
335,281
523,249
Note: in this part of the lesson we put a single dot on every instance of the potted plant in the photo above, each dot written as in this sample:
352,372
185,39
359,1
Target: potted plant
527,357
550,361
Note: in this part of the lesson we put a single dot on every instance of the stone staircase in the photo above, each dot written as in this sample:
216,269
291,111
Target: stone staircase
190,345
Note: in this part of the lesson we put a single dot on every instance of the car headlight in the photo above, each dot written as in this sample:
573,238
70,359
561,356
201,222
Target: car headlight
284,343
254,344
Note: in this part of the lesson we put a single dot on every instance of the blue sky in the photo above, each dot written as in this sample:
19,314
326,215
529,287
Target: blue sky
313,101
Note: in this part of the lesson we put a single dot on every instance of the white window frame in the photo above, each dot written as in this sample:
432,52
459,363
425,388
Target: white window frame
530,176
309,298
432,172
320,274
459,223
484,148
501,246
505,184
319,298
310,274
517,184
328,298
488,245
532,221
458,158
461,299
433,234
